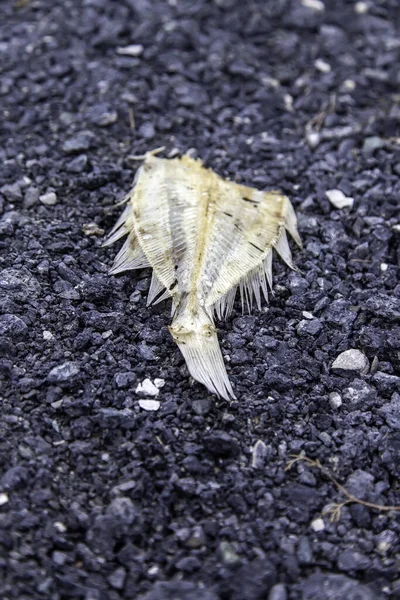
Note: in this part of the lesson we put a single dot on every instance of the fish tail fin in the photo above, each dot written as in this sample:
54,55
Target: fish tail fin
198,342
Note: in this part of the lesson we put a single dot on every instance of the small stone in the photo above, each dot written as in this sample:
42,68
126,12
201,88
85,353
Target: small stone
307,315
202,407
391,412
258,455
278,592
132,50
313,138
191,94
123,509
334,587
348,85
117,578
59,558
147,388
31,196
360,483
150,405
335,400
15,478
220,443
318,525
385,541
196,538
322,66
228,555
48,199
304,551
350,560
309,327
125,379
361,8
3,498
68,371
47,335
338,199
358,393
102,115
315,5
78,164
12,191
384,306
13,327
351,362
80,142
147,130
159,383
372,143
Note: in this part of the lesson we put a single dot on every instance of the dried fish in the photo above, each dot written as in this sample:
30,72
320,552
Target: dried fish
204,237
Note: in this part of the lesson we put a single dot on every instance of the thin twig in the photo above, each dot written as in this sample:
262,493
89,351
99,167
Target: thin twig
132,123
335,508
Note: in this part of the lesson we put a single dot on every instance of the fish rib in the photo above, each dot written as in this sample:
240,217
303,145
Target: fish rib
205,238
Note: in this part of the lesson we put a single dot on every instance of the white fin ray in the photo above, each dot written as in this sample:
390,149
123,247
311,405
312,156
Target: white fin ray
155,289
282,248
119,229
130,257
164,296
291,224
205,363
224,306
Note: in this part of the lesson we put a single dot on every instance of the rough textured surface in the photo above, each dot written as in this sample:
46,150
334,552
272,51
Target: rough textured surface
100,499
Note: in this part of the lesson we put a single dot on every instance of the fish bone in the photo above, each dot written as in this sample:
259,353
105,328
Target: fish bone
204,237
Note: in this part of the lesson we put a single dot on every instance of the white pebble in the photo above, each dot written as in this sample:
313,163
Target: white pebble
348,85
384,267
313,139
318,525
361,8
322,65
316,5
335,400
338,199
133,50
60,526
150,405
147,388
48,199
3,499
47,335
307,315
159,383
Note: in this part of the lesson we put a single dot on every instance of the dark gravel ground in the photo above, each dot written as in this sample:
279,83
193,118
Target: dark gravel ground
100,499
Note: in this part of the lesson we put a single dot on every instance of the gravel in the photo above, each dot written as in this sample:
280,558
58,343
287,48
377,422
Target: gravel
101,499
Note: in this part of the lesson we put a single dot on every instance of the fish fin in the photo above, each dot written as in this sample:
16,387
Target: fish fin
224,306
282,248
291,224
130,257
202,353
164,296
155,289
119,229
255,285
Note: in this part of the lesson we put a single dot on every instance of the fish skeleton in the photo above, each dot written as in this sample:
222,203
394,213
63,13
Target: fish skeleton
204,237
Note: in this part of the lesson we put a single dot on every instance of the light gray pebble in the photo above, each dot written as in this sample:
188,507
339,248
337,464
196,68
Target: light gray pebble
350,362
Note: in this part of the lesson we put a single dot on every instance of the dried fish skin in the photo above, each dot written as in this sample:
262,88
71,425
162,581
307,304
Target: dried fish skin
204,237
